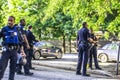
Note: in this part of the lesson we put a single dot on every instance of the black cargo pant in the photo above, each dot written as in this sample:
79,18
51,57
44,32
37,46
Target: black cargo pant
26,66
82,58
6,55
30,57
93,55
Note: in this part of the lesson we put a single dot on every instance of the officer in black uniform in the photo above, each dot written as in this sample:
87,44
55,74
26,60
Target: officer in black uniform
10,45
26,47
31,40
83,38
93,51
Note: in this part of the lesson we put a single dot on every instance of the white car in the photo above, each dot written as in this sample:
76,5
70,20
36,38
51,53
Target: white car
108,52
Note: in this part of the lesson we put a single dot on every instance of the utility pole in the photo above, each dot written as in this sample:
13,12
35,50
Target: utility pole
117,66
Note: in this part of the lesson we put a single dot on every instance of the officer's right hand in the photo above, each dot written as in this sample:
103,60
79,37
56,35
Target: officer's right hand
90,39
23,54
77,50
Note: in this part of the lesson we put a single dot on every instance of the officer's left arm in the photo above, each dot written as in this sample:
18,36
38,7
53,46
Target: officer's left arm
2,32
95,39
77,40
26,41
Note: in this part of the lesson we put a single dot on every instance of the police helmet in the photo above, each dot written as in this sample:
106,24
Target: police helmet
21,60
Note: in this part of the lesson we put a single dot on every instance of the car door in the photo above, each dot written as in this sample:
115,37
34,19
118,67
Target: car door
112,51
49,47
44,49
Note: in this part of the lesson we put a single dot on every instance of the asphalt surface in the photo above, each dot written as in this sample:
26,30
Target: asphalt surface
69,62
64,69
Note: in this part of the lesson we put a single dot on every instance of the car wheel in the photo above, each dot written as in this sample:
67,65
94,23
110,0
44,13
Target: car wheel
103,57
59,55
36,55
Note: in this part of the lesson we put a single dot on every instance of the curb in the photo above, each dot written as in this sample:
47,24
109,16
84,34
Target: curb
55,66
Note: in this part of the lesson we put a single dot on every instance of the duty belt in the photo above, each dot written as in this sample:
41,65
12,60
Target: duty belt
84,42
9,48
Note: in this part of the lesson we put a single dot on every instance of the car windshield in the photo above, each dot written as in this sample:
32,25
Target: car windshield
43,44
105,47
49,44
110,46
40,44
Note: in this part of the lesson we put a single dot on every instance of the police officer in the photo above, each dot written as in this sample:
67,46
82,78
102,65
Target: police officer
93,51
26,47
83,38
31,40
10,37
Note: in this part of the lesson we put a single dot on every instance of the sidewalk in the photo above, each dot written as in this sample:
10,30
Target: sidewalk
109,69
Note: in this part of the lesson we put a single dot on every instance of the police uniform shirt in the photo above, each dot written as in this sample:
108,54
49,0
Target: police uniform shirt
93,36
21,28
30,36
83,34
3,31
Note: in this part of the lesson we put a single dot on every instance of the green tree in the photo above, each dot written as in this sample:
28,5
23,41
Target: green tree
61,19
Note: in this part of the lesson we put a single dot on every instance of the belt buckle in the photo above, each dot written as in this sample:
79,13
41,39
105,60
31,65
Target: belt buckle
4,48
12,47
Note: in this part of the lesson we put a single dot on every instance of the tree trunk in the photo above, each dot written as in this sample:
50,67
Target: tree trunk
64,49
69,44
40,34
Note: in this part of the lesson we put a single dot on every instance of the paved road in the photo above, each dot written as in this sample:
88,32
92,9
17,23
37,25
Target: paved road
64,69
49,73
69,62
